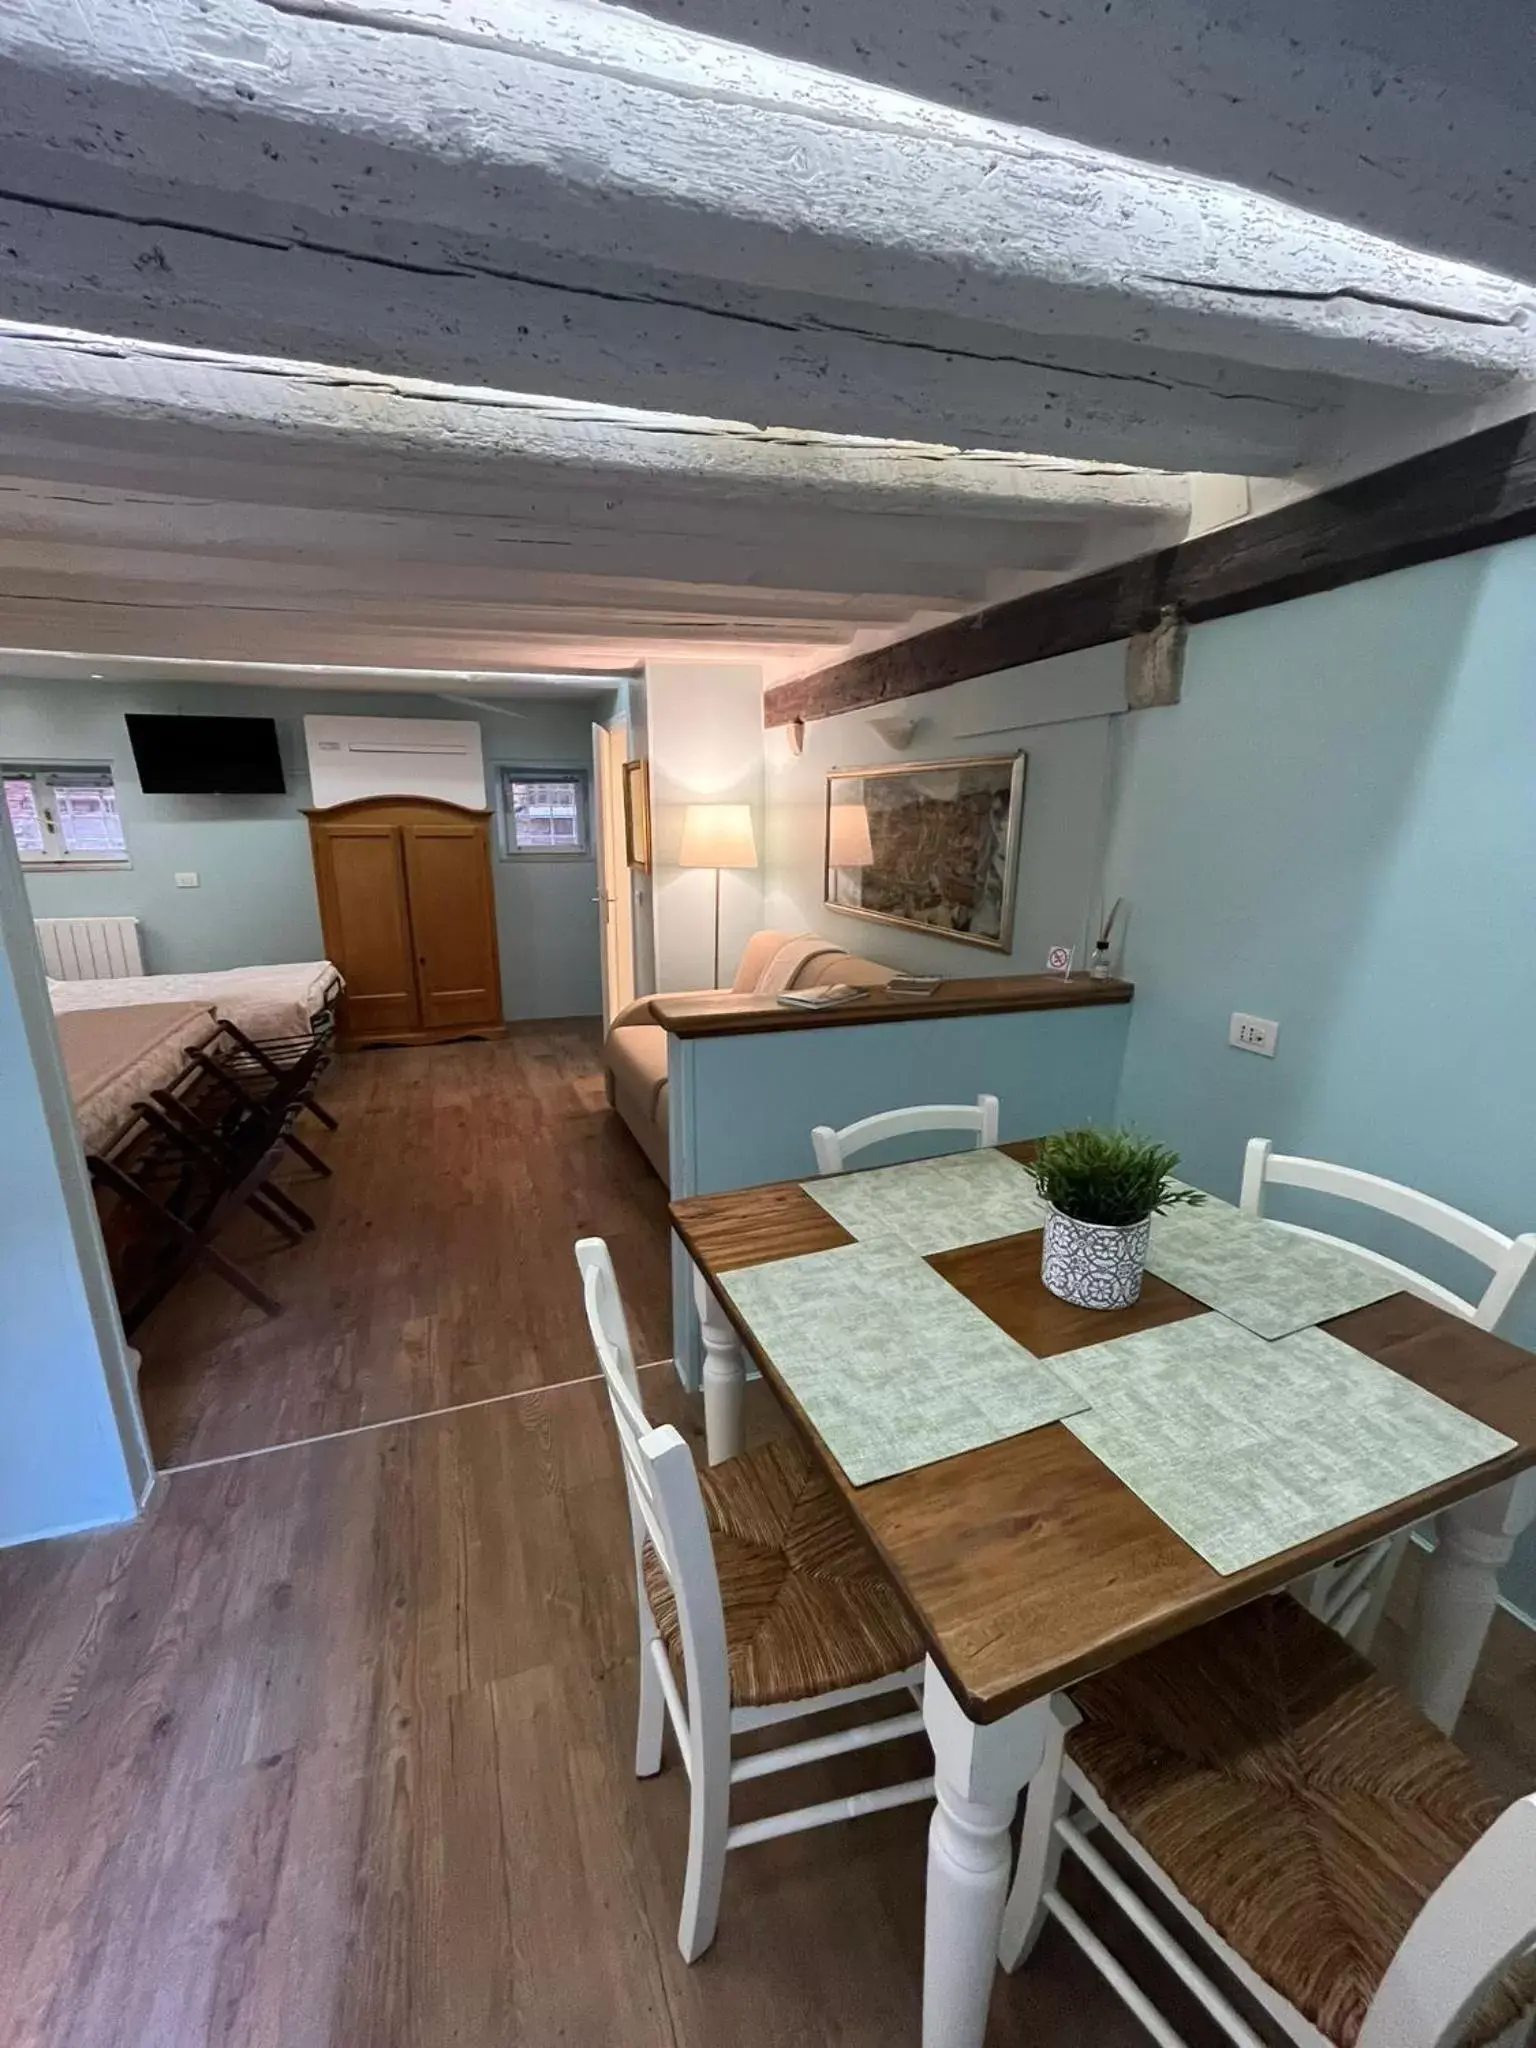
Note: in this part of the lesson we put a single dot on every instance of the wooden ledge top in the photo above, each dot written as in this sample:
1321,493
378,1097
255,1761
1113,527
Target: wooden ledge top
729,1016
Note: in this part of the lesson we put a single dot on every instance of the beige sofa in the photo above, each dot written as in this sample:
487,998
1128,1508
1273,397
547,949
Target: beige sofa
635,1053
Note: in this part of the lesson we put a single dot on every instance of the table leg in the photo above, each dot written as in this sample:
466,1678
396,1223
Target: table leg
979,1771
724,1375
1459,1592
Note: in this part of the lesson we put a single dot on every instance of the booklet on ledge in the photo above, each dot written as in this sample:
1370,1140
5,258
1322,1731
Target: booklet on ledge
832,997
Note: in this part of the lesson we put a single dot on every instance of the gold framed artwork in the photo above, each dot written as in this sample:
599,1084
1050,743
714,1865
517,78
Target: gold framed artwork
931,845
637,815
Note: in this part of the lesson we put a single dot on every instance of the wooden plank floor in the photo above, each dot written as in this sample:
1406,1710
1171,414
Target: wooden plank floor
334,1746
441,1270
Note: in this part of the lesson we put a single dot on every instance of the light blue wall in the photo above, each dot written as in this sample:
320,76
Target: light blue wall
72,1453
742,1108
750,1100
1060,713
1336,828
256,901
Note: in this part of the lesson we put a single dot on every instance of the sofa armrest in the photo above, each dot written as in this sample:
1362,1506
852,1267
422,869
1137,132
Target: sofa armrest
637,1012
640,1012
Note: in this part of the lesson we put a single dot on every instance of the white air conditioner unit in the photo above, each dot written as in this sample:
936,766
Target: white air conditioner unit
359,757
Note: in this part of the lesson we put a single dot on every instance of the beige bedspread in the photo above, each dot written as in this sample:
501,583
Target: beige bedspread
266,1002
115,1057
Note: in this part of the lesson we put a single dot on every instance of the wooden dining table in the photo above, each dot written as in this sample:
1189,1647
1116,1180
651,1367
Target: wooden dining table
1028,1564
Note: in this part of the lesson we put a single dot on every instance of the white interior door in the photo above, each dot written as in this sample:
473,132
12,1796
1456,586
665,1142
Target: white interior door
610,746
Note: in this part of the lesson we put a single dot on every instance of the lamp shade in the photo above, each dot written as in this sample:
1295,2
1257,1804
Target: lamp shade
717,836
848,837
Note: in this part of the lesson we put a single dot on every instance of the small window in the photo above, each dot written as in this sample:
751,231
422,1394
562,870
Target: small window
65,816
544,811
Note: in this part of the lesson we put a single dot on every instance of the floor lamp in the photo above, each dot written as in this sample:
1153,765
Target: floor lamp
717,836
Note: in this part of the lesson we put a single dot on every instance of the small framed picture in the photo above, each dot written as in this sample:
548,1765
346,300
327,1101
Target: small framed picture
637,815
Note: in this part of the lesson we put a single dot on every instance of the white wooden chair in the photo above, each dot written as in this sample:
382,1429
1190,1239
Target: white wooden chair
709,1553
1351,1595
834,1148
1314,1832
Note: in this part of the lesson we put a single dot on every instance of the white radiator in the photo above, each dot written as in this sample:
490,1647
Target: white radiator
90,948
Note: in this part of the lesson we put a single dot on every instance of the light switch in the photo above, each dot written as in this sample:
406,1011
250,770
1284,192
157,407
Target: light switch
1253,1034
187,880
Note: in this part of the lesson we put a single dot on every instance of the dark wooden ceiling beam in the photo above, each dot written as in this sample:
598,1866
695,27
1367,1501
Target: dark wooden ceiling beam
1471,494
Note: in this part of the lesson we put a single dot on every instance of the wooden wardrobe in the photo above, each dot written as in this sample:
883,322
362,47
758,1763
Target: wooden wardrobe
409,916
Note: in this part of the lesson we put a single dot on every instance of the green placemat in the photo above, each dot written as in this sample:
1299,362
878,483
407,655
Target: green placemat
893,1365
934,1205
1245,1448
1258,1274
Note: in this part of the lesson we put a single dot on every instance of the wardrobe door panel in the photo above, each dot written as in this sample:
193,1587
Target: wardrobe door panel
453,921
360,874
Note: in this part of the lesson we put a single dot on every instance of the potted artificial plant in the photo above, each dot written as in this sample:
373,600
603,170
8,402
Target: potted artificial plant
1104,1188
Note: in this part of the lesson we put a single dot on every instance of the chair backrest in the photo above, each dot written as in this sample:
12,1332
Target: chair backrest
835,1148
1478,1921
1508,1259
666,1506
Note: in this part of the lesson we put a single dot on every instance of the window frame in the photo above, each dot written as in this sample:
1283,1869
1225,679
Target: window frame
46,776
508,774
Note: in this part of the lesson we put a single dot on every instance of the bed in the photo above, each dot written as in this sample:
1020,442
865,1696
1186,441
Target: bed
114,1058
284,1004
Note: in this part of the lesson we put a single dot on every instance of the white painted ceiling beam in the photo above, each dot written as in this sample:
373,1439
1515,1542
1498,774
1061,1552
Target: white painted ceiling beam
445,113
219,633
1413,121
297,483
126,397
649,538
166,502
477,504
868,221
600,330
383,589
355,556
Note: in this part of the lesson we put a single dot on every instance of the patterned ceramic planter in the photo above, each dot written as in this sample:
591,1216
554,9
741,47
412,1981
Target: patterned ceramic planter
1094,1265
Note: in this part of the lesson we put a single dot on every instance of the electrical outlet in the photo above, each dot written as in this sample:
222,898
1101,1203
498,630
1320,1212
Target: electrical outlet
1253,1034
187,880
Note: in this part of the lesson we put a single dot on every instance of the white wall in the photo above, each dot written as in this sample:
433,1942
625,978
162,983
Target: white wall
1060,713
633,703
704,730
72,1448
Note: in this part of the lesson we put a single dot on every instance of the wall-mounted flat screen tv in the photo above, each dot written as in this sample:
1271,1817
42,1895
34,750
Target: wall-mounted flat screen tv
205,756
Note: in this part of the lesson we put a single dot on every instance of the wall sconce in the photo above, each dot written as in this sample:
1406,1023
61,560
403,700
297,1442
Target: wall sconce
898,733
